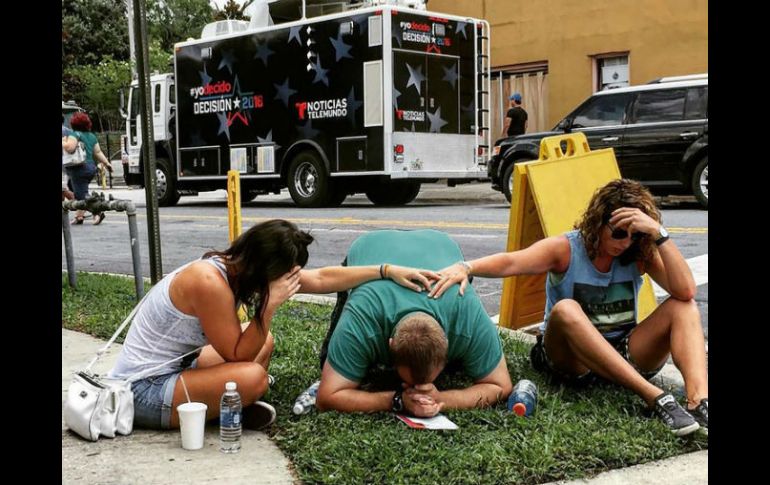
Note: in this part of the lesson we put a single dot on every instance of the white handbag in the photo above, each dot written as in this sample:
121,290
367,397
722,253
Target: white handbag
78,157
100,406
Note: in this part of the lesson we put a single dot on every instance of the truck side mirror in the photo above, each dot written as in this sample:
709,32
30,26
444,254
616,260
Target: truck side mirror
565,125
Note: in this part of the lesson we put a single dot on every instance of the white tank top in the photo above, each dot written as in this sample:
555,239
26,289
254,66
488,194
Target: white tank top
160,332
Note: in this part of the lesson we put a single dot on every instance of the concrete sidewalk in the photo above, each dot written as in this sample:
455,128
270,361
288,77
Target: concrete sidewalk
157,457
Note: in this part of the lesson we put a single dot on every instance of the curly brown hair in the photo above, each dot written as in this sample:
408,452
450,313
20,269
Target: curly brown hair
617,193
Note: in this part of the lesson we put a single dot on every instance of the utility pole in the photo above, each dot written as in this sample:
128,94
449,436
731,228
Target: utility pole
132,59
148,137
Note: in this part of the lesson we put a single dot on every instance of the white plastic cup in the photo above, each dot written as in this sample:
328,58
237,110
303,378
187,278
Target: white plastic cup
192,422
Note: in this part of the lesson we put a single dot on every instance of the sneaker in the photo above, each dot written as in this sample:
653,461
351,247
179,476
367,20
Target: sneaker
701,413
675,416
258,416
270,380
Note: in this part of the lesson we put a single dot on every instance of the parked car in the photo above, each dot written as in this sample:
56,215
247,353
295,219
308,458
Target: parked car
659,132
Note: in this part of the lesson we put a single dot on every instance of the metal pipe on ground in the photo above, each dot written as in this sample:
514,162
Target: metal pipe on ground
96,203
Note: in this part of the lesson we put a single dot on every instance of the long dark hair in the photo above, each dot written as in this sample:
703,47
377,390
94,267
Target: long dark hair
260,255
618,193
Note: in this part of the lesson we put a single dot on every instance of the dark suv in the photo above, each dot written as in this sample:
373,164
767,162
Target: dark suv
659,132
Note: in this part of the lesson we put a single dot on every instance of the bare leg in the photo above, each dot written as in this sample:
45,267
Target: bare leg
206,382
574,346
674,327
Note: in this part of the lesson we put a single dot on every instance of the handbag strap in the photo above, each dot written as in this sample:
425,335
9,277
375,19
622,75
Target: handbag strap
128,319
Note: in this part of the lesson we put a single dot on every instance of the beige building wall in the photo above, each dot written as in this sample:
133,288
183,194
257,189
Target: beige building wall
661,37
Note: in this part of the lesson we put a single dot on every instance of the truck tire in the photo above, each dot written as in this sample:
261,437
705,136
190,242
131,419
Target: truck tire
700,182
308,181
165,184
393,193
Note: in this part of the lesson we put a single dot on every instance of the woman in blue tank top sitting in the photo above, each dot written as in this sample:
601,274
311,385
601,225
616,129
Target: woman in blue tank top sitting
594,275
197,306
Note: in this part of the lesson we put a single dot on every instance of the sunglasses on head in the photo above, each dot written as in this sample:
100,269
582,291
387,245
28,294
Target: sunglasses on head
619,234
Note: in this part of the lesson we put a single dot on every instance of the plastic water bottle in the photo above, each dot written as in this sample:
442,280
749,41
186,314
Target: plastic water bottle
306,400
230,413
523,399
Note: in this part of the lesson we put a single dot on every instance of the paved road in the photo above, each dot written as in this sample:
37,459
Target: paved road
474,215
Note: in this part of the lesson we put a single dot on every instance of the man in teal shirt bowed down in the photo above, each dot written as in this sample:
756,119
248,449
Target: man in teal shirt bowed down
383,323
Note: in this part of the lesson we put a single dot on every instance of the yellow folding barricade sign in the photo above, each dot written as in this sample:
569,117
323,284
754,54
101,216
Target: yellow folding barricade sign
549,195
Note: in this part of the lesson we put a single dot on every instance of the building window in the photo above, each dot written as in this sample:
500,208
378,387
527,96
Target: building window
611,71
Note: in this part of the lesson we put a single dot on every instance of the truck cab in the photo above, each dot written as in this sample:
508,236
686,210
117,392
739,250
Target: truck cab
162,105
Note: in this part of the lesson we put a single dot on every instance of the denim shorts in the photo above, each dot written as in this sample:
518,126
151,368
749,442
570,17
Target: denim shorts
153,400
153,397
541,362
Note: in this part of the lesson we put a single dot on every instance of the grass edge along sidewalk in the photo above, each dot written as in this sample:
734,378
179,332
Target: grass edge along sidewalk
573,435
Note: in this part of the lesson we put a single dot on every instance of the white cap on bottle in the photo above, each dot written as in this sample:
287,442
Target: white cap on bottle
231,386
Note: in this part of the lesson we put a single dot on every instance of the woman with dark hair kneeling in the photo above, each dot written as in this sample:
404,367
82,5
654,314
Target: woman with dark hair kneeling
591,327
196,305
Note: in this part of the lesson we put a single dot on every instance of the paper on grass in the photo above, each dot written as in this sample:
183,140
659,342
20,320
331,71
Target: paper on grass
438,421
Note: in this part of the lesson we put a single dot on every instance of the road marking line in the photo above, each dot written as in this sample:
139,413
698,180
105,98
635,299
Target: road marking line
350,221
699,265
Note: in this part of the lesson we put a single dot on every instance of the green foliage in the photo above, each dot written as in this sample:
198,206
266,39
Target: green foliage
171,21
232,10
573,434
92,30
95,49
97,86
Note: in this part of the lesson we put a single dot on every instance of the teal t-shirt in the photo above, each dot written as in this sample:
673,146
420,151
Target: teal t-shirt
89,141
373,309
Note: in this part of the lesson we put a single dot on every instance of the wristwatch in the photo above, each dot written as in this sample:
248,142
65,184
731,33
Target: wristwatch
662,236
398,402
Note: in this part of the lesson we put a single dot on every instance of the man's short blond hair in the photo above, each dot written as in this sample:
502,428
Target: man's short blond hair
420,344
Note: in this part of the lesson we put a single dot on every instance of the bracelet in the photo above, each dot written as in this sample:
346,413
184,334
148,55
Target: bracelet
385,269
467,266
382,275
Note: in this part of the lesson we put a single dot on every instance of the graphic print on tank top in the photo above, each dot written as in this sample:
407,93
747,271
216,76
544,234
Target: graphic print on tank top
610,308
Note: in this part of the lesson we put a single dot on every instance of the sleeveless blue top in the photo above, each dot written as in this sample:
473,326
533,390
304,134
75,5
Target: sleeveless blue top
610,300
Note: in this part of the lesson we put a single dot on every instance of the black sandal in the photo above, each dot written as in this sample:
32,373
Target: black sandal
77,221
98,218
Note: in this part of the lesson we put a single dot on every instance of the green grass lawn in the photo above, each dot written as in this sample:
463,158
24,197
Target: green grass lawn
573,434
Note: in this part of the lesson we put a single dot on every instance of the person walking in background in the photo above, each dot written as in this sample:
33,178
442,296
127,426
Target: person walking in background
516,118
591,326
66,193
81,175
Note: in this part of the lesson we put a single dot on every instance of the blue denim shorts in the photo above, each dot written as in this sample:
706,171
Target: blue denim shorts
153,397
153,400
